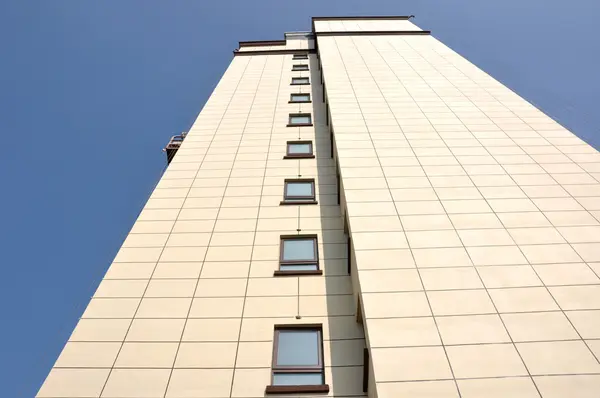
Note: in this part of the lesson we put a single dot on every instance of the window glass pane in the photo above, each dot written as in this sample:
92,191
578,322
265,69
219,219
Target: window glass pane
298,189
300,67
299,80
299,249
299,119
299,148
298,267
300,97
297,379
298,348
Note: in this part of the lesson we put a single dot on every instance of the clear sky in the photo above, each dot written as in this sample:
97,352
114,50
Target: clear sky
90,92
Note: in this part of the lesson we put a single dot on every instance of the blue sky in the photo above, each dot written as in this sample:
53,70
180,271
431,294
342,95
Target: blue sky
90,91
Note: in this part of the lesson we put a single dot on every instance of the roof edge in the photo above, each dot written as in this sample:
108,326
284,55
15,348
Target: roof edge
374,33
276,52
364,17
258,43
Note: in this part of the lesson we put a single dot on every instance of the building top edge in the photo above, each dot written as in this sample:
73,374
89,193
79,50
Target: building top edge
366,17
299,35
310,35
255,43
269,43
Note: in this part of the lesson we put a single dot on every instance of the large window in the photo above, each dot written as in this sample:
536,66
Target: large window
299,150
300,119
298,255
300,56
299,67
299,191
298,360
299,81
299,98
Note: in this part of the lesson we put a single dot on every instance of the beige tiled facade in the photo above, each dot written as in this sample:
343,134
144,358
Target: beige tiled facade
473,221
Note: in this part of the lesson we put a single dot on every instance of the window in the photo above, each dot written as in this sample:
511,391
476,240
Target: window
300,56
298,255
300,119
299,81
299,67
365,370
348,243
349,253
299,150
299,191
299,97
298,360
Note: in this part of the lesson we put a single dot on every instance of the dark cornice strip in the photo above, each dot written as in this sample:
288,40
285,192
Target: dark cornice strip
257,43
275,52
366,18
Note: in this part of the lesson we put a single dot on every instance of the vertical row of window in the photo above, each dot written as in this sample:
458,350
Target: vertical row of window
298,365
299,191
299,253
300,119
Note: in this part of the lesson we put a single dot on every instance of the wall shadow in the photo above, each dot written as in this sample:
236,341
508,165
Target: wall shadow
347,380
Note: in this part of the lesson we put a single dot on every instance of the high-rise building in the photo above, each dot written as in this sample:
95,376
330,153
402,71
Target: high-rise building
357,211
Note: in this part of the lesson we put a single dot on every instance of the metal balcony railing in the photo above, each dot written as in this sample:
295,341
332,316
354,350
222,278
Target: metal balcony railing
173,146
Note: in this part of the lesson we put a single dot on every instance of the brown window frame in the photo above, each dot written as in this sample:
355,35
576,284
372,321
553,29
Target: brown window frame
299,200
307,83
319,369
283,272
289,155
293,101
300,68
292,115
299,56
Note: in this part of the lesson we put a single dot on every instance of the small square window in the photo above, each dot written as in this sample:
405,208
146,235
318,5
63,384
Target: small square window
300,81
300,119
300,56
298,255
299,150
299,97
299,67
298,360
300,191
